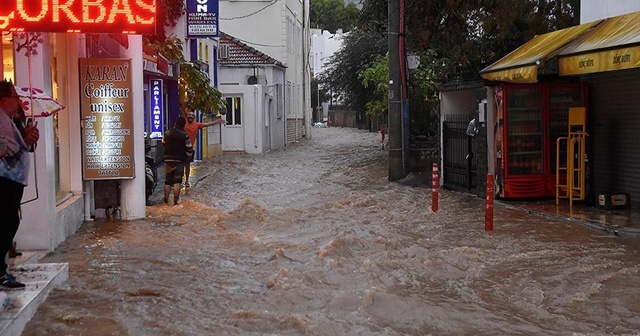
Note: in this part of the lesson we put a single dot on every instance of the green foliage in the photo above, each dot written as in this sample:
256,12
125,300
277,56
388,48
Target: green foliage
359,51
377,77
454,38
332,14
197,86
193,82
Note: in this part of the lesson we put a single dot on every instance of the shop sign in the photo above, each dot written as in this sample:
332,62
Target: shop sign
156,107
202,18
79,16
107,118
607,60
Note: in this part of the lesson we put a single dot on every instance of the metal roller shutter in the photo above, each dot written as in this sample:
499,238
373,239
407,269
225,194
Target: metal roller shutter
614,111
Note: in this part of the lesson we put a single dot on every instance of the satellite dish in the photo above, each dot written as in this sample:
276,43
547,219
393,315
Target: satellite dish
252,80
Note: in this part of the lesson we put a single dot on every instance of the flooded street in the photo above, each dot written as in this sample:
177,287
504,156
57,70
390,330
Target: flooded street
314,240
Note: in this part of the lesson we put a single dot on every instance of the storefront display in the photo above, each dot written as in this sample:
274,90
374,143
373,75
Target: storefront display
529,120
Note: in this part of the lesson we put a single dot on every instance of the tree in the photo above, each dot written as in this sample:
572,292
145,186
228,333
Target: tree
377,77
332,15
359,51
195,83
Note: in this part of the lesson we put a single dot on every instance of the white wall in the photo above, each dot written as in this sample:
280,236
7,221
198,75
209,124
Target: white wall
323,45
591,10
275,28
263,131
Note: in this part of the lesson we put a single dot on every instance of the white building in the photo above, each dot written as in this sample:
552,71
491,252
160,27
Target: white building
323,46
591,10
279,29
252,84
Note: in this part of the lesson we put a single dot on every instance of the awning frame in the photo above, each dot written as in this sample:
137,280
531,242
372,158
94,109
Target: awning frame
522,64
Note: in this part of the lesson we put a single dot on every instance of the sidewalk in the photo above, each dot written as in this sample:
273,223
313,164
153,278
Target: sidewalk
625,223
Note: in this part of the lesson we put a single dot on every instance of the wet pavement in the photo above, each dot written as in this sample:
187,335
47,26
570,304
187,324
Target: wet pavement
313,239
621,222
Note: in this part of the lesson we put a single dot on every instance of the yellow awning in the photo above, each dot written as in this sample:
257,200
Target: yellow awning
612,45
521,65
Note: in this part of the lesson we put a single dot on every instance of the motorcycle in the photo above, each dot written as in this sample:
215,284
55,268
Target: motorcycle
151,175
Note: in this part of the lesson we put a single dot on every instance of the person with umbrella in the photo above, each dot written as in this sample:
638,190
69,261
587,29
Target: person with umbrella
14,173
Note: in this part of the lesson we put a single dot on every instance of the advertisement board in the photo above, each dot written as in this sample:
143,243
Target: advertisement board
202,18
107,118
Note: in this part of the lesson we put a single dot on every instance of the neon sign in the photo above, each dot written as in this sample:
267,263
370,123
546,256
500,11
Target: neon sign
156,100
79,16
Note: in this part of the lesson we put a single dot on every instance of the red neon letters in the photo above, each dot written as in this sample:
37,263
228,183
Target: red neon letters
90,16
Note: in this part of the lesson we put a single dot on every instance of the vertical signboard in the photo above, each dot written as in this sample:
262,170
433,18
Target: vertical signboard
107,117
202,18
156,108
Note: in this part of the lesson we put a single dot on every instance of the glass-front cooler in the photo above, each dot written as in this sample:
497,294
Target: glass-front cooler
528,124
524,131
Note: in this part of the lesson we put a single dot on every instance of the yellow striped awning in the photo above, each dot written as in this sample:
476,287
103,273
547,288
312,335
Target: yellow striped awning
612,45
521,65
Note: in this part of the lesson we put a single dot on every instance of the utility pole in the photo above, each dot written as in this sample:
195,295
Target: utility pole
396,157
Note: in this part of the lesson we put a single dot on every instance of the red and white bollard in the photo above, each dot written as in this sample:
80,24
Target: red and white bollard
434,187
488,209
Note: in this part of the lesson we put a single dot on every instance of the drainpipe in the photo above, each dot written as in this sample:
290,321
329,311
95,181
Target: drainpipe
255,116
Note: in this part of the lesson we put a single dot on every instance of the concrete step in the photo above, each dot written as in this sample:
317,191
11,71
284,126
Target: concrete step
39,279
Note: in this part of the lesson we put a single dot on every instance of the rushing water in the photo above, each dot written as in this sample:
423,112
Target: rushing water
313,240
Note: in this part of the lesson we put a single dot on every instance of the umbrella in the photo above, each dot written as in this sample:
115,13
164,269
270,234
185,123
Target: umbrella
36,103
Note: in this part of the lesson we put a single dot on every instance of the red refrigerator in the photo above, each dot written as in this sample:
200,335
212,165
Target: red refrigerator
529,120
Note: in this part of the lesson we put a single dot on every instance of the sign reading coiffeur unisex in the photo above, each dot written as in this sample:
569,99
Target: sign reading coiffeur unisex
107,117
79,16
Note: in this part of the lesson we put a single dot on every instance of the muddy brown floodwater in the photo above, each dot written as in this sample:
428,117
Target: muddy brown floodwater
314,240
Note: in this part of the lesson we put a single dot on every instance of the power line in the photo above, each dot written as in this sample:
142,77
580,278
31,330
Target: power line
259,44
248,15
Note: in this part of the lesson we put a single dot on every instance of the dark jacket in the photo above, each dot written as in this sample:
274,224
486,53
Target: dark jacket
177,147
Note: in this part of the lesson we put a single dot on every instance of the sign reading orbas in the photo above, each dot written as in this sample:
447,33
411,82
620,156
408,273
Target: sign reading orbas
79,16
107,115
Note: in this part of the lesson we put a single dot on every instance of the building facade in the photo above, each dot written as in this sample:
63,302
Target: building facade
279,29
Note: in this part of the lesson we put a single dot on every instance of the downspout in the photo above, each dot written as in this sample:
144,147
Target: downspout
255,116
305,60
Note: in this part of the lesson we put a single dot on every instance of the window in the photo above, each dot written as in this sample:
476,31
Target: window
234,111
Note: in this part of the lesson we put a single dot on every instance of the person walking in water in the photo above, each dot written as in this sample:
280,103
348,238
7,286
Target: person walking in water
192,127
177,153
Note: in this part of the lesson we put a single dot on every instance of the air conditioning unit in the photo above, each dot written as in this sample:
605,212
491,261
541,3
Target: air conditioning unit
223,52
253,80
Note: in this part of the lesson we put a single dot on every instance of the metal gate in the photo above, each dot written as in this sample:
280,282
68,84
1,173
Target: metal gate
459,171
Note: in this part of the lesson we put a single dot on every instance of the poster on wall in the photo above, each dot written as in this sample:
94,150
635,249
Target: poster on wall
107,118
202,18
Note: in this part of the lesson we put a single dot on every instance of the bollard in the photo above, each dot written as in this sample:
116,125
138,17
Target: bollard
434,188
488,211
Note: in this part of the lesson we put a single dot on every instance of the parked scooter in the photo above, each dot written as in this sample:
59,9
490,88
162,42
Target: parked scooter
151,174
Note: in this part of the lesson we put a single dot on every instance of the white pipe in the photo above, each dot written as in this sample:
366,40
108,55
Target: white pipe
255,116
